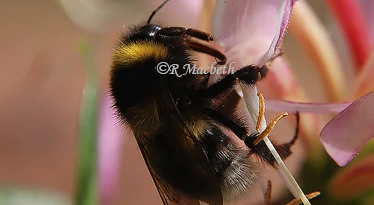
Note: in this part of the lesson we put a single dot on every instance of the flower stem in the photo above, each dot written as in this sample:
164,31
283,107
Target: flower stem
253,106
87,186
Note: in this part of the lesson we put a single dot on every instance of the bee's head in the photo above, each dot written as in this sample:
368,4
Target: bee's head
150,29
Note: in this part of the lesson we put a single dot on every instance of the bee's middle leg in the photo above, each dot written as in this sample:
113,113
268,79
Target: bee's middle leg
249,74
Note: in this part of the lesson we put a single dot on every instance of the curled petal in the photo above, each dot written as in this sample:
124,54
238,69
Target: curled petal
284,19
288,106
345,135
353,180
251,31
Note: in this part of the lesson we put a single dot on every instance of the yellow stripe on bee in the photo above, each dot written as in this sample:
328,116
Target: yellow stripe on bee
139,51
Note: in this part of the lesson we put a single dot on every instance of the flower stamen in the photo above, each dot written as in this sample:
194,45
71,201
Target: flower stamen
270,127
309,196
261,113
268,193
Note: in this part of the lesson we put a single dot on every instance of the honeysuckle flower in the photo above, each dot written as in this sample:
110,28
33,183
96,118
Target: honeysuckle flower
238,48
281,81
348,143
345,135
238,26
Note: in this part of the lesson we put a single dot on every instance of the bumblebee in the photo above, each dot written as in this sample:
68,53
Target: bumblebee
185,129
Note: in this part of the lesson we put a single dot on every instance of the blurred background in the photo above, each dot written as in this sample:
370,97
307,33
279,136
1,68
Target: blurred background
42,75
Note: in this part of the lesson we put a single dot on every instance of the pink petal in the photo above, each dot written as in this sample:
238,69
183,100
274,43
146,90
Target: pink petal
285,14
251,31
293,107
345,135
110,142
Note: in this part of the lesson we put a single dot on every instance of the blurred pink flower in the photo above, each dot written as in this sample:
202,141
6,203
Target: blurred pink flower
110,140
354,179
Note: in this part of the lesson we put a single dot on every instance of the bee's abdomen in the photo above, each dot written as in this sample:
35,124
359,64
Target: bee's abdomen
234,168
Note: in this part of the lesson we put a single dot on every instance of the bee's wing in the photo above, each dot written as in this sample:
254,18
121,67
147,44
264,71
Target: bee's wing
179,142
200,153
168,194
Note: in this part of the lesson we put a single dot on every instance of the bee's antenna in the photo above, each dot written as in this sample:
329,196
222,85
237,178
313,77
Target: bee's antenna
155,11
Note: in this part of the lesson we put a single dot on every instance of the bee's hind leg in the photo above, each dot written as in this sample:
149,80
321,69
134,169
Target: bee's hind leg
285,148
